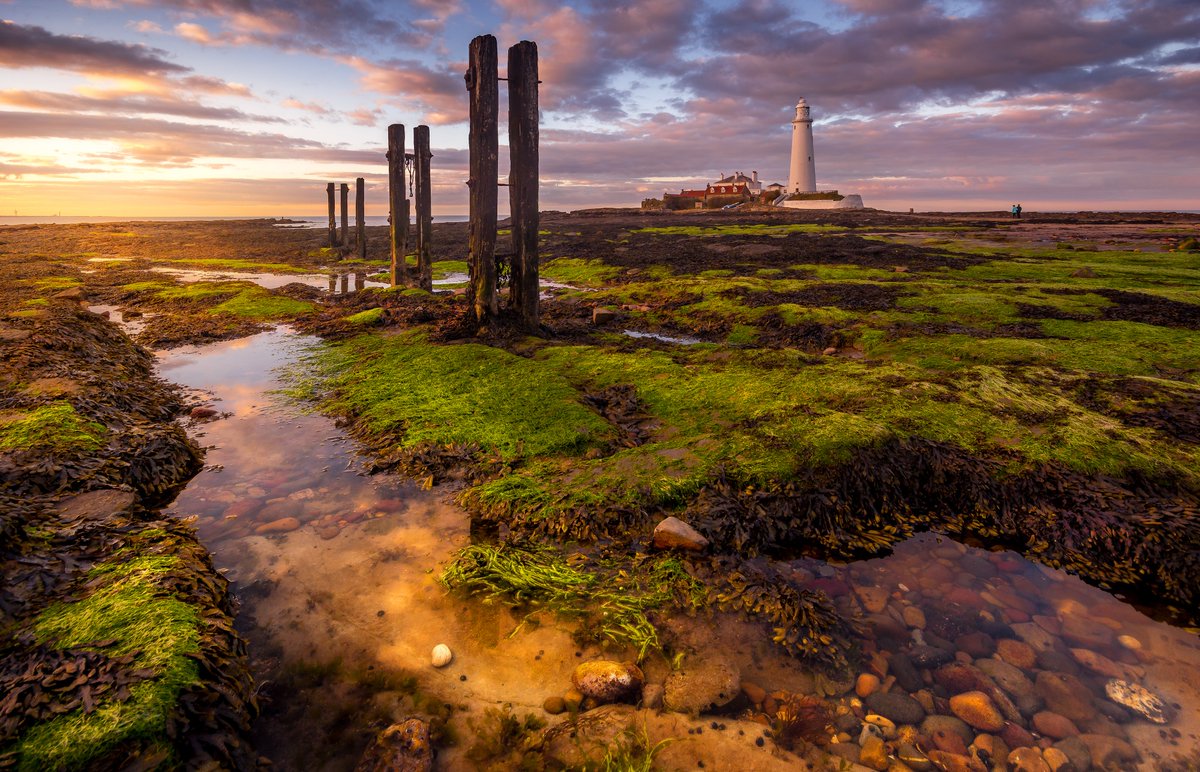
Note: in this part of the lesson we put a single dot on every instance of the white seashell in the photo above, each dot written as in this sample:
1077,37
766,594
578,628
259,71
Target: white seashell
442,655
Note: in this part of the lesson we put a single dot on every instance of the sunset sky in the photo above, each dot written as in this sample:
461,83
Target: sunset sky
247,107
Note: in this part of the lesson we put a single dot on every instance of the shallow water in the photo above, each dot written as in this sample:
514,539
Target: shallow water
337,571
680,340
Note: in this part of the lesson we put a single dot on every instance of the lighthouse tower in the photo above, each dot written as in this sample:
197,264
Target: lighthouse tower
802,177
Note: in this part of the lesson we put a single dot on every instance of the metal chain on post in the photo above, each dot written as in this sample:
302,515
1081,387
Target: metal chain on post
408,168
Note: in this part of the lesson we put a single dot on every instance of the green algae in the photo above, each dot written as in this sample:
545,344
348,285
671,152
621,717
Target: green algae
127,614
742,230
53,428
470,394
242,266
570,270
368,317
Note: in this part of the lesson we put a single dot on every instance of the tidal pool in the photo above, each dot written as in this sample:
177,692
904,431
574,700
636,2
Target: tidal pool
333,283
336,573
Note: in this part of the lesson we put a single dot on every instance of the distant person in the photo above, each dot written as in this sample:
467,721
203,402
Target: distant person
1013,210
1018,212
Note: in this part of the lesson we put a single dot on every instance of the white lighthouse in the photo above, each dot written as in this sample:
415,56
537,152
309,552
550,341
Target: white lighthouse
802,177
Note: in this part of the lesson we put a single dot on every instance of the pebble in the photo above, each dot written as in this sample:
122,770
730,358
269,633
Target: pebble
673,533
885,725
441,655
755,693
1015,736
956,678
908,754
950,742
906,673
1034,635
1053,725
866,685
929,656
898,707
872,753
282,525
1054,758
977,709
1129,642
874,599
1065,694
977,644
1074,749
1027,760
1016,653
1138,699
937,723
1109,752
554,705
952,762
914,617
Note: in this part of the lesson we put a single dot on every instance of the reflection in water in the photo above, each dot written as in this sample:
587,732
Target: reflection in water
334,567
132,325
329,282
680,340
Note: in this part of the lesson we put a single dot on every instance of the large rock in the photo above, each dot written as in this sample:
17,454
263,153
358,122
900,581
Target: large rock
708,683
1066,695
282,525
673,533
401,747
605,681
97,505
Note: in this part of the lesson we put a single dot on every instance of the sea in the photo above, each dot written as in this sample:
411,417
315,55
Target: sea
312,221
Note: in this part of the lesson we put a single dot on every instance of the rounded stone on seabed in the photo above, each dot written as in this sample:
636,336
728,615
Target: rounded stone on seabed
1055,758
936,723
898,707
554,705
873,753
1129,642
866,685
914,617
1016,653
673,533
1066,695
885,725
953,762
1138,699
1053,725
1027,760
978,710
605,681
441,655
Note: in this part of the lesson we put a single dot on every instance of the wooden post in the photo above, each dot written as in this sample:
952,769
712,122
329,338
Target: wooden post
360,218
345,240
523,181
424,207
481,79
332,216
397,211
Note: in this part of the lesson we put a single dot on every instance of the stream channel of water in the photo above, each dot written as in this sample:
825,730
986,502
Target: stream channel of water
336,574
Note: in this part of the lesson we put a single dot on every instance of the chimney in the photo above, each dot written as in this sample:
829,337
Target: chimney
755,176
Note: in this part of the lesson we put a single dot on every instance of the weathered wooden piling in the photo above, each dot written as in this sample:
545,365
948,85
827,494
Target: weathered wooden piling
523,181
329,189
424,206
360,218
397,204
345,240
481,81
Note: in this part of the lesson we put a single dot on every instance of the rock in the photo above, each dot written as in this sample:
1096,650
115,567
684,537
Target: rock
281,509
1053,725
605,681
952,762
914,617
1074,749
847,751
910,756
1109,752
1057,662
866,685
714,681
603,315
1016,653
874,599
97,505
938,723
977,565
652,696
441,655
673,533
977,709
1065,694
950,742
896,706
977,644
554,705
869,730
1014,683
755,693
906,673
889,632
1034,635
929,656
282,525
1015,736
1086,632
74,293
829,351
872,753
402,747
573,700
1129,642
1054,758
1098,663
956,678
1027,760
989,748
131,313
884,725
1138,699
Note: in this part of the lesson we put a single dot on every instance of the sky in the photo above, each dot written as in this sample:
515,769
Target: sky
248,107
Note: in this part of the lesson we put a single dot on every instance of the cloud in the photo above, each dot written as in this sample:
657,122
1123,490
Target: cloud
127,104
439,91
33,46
194,33
146,26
